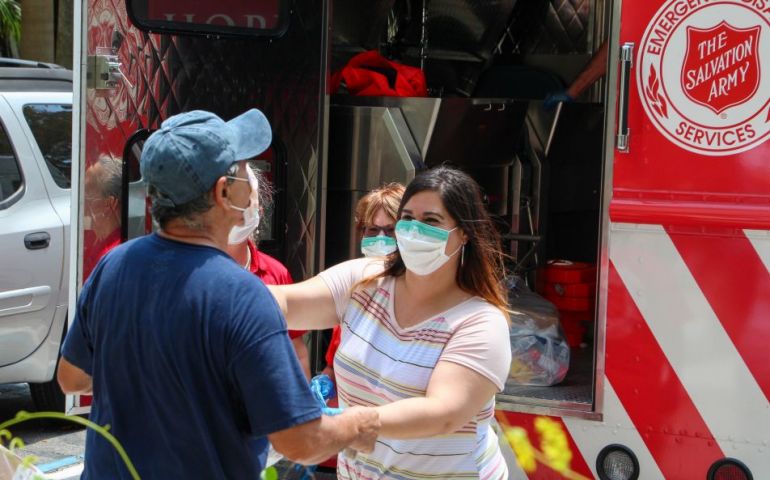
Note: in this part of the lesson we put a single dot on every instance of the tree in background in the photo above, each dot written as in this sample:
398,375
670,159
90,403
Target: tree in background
10,27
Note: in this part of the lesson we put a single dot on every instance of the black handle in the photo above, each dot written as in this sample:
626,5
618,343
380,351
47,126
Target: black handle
37,240
132,151
626,63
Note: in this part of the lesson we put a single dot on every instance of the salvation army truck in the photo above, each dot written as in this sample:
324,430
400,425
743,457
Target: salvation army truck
654,184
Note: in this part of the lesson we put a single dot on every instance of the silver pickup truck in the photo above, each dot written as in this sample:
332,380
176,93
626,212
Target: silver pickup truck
35,161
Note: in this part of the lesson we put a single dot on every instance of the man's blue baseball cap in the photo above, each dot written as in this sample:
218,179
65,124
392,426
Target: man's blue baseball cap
192,150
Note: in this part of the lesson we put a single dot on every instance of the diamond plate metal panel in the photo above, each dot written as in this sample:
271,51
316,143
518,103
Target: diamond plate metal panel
172,74
283,79
548,27
457,28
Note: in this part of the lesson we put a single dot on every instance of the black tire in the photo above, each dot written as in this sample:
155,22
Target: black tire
47,396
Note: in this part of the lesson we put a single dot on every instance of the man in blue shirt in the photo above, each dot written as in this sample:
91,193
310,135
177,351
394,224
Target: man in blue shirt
186,353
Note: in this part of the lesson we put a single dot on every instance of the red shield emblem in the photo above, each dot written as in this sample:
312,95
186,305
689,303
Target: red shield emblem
721,67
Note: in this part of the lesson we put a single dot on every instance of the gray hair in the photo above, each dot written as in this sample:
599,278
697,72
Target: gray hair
188,212
265,195
109,180
266,189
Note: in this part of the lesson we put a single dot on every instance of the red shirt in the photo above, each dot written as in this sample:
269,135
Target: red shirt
334,344
272,272
94,249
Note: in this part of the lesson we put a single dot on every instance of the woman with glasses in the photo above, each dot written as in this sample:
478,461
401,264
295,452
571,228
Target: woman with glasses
424,335
376,214
376,219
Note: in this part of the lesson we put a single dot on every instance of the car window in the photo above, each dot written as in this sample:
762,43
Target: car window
10,175
51,124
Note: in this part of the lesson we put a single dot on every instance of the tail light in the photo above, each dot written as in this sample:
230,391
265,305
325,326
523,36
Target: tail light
729,469
617,462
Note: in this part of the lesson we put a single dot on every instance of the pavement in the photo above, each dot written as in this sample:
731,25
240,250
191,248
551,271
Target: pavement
59,447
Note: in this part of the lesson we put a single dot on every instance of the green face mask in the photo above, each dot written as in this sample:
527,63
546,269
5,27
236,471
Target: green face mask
422,246
418,229
378,246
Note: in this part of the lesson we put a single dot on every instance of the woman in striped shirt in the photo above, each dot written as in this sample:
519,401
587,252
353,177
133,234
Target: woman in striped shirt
424,336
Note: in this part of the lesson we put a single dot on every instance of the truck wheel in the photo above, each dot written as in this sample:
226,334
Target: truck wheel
47,396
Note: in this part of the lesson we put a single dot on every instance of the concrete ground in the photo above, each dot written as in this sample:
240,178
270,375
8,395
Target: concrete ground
59,447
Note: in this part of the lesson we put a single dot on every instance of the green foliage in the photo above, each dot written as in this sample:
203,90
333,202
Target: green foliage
23,416
10,20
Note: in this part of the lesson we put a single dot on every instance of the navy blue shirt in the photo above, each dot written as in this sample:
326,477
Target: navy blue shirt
191,363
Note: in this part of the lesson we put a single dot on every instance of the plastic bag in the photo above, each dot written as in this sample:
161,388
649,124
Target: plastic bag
13,468
322,388
539,350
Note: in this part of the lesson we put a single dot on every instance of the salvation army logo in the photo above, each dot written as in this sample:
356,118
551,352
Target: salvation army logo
721,66
700,74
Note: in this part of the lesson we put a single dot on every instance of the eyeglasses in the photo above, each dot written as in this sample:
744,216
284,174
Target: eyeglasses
374,230
237,178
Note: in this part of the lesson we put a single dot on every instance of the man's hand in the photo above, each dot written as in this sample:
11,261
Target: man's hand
368,421
313,442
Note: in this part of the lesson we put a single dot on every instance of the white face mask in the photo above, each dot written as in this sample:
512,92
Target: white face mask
240,233
378,246
422,246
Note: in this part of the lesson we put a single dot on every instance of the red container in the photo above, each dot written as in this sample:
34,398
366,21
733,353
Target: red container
566,271
575,325
570,289
571,304
577,318
574,334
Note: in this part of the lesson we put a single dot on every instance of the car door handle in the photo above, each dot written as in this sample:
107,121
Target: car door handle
37,240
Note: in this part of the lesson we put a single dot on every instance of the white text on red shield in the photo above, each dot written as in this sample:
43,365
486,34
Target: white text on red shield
721,68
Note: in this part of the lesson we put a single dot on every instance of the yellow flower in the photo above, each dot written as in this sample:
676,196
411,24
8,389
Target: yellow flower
525,452
554,444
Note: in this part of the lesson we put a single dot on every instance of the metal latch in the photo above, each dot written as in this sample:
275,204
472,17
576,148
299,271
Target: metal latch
104,71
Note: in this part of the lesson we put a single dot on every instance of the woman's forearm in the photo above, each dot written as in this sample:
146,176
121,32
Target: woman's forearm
279,295
418,418
307,305
454,396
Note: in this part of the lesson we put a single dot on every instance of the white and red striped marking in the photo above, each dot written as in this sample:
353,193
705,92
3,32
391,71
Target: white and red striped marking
687,365
617,427
662,274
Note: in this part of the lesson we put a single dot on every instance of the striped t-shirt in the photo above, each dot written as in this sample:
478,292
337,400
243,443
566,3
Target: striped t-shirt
378,362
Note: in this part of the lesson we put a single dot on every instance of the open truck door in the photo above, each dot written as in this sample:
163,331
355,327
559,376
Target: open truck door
129,80
688,248
682,374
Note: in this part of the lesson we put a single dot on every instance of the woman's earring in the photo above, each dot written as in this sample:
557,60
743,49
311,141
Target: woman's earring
462,255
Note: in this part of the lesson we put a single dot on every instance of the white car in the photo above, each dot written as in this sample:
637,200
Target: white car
35,160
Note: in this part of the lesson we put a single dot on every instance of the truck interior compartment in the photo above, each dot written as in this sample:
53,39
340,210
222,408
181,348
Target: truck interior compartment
488,67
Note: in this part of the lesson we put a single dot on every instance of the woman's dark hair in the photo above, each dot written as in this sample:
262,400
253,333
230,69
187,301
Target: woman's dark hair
481,272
